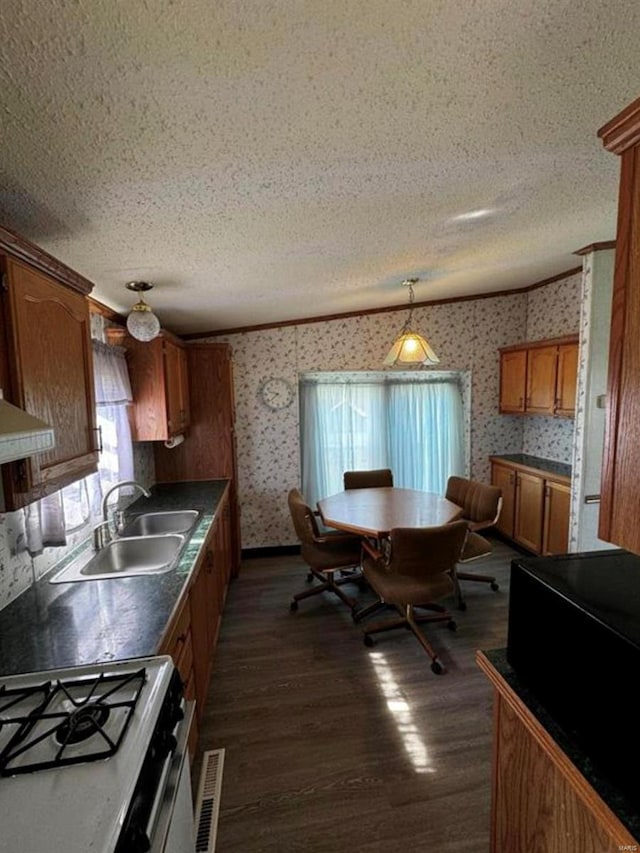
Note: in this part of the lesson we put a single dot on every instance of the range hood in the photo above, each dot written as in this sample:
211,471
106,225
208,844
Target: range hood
22,434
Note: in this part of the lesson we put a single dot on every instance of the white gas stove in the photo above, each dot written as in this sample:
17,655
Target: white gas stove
89,755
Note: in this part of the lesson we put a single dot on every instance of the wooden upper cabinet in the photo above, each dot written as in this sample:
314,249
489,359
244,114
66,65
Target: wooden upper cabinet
177,386
539,378
49,368
158,374
567,380
620,491
513,373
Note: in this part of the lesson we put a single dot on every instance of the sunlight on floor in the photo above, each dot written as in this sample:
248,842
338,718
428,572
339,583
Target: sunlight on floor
412,741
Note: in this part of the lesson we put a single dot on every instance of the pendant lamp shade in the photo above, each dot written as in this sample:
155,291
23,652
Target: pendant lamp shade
410,348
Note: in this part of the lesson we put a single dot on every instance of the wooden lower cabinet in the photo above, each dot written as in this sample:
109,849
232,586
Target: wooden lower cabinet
528,518
540,802
505,479
535,507
192,634
557,504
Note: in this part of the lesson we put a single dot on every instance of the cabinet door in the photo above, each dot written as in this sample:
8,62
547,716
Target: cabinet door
557,498
541,380
200,637
529,511
513,372
173,387
567,380
184,388
505,479
52,375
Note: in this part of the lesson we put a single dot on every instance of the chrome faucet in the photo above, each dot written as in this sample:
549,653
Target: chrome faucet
109,492
101,532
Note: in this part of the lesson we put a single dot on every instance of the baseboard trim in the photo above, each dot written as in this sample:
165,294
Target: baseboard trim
271,551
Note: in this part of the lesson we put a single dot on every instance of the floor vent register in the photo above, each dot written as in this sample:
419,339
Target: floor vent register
208,801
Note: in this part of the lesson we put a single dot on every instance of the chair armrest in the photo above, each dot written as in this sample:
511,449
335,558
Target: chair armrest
371,551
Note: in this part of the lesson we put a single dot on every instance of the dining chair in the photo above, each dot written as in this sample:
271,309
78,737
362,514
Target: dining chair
415,571
481,505
324,553
367,479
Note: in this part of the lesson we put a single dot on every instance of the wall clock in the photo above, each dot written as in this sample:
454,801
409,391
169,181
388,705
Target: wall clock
276,393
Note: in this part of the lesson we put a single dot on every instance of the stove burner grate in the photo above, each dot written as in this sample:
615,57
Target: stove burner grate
53,711
82,723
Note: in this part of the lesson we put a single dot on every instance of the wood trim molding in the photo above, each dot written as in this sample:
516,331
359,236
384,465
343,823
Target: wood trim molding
96,307
623,131
261,327
19,247
596,247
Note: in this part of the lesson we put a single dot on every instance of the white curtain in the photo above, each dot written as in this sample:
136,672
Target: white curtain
47,521
411,424
113,395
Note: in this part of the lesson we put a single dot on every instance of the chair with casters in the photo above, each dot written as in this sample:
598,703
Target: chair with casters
415,571
481,505
367,479
324,553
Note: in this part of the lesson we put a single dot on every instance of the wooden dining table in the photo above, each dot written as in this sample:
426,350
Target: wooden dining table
375,512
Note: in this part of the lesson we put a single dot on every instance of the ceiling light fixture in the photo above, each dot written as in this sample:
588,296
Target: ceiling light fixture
142,323
410,348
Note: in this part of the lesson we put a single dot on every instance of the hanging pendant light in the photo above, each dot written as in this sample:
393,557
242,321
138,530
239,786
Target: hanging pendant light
142,323
410,348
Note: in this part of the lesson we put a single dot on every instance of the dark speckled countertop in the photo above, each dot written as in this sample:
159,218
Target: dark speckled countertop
546,466
619,804
57,625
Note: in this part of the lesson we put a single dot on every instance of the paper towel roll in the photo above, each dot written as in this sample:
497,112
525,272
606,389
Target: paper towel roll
174,442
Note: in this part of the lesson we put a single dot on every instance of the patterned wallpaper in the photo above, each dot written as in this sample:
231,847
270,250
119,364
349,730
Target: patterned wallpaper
552,311
466,336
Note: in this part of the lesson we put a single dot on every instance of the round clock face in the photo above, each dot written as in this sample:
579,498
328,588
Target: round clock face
277,393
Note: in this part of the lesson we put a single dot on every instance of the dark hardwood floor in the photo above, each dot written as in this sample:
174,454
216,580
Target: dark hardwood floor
331,746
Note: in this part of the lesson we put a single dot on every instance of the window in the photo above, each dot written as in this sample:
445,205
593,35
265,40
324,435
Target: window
411,423
82,500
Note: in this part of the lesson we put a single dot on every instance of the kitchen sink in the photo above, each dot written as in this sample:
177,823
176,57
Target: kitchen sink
150,523
125,557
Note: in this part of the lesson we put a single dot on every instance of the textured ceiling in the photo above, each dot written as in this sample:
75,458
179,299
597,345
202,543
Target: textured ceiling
263,160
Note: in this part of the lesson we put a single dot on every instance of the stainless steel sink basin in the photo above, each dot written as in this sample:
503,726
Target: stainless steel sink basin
125,557
151,523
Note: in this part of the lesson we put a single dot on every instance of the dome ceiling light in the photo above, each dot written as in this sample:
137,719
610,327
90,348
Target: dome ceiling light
142,323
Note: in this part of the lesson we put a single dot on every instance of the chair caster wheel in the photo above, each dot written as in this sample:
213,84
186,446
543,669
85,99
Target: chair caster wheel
369,641
309,577
293,606
462,605
494,586
437,668
451,625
